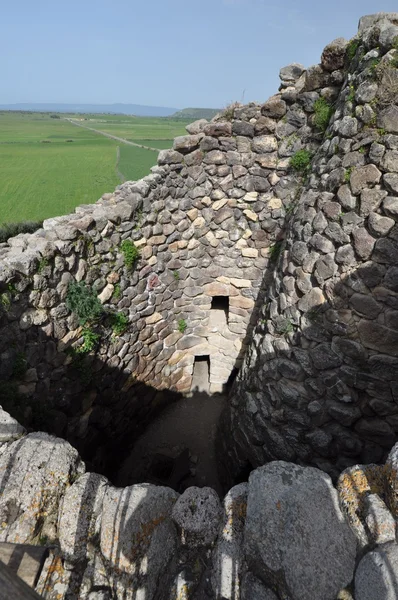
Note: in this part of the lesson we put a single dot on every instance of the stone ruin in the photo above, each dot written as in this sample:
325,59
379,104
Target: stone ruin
267,271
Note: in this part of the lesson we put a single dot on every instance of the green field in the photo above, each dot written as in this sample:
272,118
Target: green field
48,166
153,132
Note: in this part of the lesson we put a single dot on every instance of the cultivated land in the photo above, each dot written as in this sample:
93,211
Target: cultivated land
48,166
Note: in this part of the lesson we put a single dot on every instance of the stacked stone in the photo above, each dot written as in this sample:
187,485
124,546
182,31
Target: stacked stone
318,385
205,222
281,535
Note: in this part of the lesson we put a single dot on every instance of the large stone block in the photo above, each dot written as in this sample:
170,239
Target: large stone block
136,529
296,537
34,474
377,574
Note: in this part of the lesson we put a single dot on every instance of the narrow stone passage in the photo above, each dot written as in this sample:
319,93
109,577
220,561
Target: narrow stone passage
178,447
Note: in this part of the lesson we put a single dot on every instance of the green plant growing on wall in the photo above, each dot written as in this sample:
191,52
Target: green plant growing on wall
322,114
130,253
138,218
182,325
372,66
83,301
275,251
119,323
352,48
43,263
117,292
301,160
90,341
6,297
285,327
347,175
351,93
5,301
229,111
176,275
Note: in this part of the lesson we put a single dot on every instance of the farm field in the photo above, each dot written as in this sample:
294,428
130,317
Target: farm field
149,131
48,166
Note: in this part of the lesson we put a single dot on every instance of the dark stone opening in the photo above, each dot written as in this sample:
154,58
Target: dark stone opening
221,303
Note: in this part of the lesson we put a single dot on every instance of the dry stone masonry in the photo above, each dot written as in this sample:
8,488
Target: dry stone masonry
264,242
287,533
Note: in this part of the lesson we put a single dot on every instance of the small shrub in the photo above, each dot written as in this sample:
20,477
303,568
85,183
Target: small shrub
275,251
372,65
130,253
351,94
69,140
176,275
352,48
323,112
182,325
90,341
347,175
119,323
117,292
83,301
43,263
301,160
229,111
5,301
285,327
8,230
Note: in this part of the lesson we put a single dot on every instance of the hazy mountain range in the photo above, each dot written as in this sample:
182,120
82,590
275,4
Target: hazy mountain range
124,109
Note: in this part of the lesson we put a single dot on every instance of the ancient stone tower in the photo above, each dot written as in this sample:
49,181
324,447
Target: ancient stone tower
258,259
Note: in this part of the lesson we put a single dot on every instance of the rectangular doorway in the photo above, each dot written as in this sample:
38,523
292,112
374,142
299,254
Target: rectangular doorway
219,311
201,374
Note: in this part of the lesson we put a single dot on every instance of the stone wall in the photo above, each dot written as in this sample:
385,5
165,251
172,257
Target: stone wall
287,533
207,223
319,381
302,259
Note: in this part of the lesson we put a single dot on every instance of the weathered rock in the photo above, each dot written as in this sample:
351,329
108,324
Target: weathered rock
254,589
275,107
380,522
228,556
392,481
291,73
196,127
295,536
377,574
363,177
388,119
136,530
80,515
333,55
35,472
198,515
10,429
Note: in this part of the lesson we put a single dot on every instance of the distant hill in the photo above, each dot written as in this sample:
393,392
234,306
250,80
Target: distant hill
196,113
124,109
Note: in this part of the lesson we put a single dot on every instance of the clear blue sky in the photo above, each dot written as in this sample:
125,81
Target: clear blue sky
174,53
